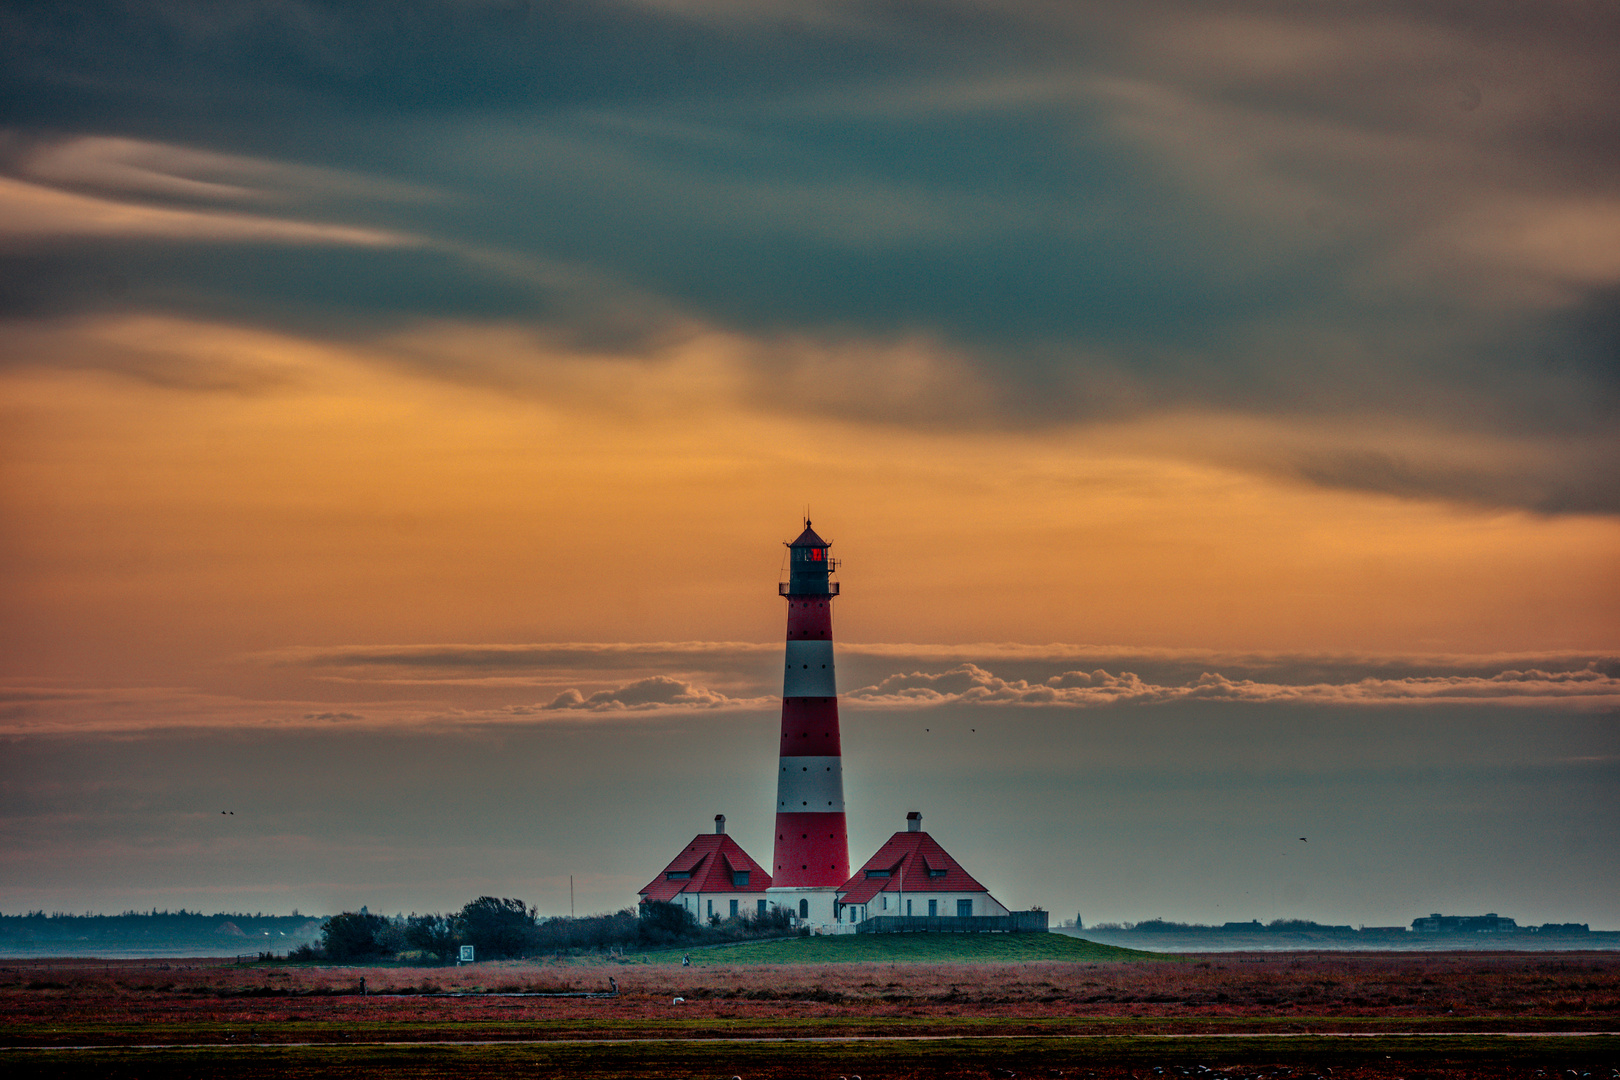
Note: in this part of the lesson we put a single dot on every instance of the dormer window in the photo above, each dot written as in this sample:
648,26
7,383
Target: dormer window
876,874
935,873
678,875
739,879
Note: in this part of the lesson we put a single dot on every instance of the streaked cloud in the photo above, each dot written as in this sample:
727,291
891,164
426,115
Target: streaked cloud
139,167
970,684
657,692
36,213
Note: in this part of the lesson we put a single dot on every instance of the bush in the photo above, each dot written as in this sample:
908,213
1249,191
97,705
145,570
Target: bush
437,935
664,924
353,935
498,928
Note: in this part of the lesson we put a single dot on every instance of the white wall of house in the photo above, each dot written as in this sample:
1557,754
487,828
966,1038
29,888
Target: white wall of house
916,903
817,903
703,905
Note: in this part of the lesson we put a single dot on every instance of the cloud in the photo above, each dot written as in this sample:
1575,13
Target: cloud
32,213
657,692
1586,689
465,687
138,167
1040,674
1011,217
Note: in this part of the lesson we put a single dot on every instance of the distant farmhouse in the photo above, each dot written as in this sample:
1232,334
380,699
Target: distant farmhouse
912,875
712,878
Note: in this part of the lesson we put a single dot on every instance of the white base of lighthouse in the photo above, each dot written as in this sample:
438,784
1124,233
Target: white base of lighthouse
815,908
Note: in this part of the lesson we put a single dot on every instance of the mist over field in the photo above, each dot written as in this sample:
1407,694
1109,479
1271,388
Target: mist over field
1190,812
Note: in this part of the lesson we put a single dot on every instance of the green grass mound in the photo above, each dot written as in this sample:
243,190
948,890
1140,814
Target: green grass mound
908,949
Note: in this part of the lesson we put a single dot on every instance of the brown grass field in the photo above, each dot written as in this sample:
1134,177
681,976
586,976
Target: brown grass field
1316,1016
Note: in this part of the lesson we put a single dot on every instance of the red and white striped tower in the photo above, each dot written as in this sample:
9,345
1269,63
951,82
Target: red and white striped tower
812,844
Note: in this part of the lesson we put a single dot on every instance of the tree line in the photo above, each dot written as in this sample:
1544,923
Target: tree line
504,928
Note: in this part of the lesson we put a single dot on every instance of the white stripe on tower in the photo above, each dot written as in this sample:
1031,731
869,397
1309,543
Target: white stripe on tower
809,670
813,785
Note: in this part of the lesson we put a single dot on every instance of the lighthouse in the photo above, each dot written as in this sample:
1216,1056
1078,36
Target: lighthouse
811,860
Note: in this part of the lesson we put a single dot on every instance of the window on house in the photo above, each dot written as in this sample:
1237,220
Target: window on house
762,907
935,873
964,908
933,907
734,909
877,874
739,879
678,875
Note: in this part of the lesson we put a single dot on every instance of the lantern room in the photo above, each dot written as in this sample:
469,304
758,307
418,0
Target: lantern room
809,565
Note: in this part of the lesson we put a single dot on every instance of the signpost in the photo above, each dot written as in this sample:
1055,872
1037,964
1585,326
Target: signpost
466,956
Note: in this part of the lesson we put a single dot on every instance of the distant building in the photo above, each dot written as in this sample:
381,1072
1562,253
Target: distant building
712,877
1465,924
913,875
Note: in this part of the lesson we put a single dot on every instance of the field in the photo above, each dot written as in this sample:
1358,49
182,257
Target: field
1227,1017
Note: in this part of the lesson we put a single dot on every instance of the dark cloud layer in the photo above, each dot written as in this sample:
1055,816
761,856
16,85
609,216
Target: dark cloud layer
1280,210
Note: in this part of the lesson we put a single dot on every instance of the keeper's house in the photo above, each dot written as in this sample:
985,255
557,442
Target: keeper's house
712,877
912,875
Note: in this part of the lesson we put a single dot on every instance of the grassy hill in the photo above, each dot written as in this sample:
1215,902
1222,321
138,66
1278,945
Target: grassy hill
908,949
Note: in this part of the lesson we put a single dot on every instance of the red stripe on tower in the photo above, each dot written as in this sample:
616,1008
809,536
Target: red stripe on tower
812,844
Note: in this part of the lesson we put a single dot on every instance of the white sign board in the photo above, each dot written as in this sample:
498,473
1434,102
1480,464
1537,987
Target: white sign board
466,954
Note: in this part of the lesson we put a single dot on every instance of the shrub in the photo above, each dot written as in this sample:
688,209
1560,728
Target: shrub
664,924
437,935
498,927
353,935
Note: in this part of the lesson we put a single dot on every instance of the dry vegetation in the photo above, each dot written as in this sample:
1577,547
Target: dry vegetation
1572,989
1014,1018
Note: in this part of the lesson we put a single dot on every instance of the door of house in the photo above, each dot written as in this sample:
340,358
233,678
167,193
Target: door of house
933,908
734,909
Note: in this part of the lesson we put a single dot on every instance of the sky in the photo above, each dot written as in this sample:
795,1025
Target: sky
1214,408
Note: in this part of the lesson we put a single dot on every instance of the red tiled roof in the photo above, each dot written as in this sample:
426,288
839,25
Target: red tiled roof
908,857
710,858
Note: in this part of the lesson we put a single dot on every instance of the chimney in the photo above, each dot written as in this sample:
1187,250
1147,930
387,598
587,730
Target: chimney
719,823
914,822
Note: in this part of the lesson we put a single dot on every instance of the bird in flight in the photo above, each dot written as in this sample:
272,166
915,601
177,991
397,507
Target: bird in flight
1304,840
